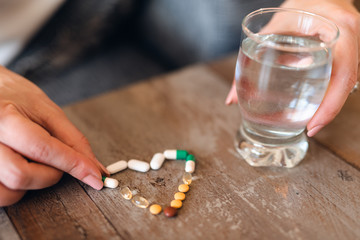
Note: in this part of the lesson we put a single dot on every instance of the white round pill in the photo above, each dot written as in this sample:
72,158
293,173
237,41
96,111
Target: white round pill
157,161
117,167
138,165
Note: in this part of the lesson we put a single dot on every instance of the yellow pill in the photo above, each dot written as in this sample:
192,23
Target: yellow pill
155,209
183,188
176,204
179,196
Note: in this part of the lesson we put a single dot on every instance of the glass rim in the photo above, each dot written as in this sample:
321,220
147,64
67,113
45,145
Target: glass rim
257,37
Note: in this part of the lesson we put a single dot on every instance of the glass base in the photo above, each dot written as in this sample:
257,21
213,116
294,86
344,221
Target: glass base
275,152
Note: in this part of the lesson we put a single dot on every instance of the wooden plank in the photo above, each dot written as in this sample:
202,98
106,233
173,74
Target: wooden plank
7,230
229,199
342,135
60,212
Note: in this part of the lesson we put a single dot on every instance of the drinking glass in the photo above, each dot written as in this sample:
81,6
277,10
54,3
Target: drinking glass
282,73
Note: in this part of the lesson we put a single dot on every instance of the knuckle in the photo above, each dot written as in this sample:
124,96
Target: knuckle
351,19
350,82
16,179
83,140
78,169
39,151
7,108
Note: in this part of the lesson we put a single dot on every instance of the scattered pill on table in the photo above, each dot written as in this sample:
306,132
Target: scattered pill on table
138,165
176,203
126,193
157,161
170,212
190,164
140,202
155,209
176,154
187,178
110,182
183,188
179,196
117,167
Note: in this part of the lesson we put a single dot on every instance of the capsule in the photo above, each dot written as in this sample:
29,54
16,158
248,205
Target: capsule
138,165
190,164
110,182
157,161
117,167
126,193
176,154
187,178
140,202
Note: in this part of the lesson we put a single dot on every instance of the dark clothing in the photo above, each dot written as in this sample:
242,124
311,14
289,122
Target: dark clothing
92,46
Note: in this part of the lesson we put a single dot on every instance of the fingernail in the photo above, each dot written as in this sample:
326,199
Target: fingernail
228,100
93,182
314,130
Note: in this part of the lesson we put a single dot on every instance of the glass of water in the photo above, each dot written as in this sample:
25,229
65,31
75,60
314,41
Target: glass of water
282,73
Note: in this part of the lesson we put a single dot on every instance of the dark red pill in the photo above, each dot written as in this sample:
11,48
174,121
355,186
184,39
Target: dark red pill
170,212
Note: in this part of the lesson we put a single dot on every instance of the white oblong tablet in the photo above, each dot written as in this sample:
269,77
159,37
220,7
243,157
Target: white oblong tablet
111,182
117,166
138,165
157,161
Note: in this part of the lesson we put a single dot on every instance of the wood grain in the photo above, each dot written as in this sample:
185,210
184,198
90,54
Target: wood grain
228,199
342,135
60,212
7,230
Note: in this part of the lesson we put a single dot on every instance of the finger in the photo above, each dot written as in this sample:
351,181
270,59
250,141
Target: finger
232,96
60,127
9,197
16,173
342,81
32,141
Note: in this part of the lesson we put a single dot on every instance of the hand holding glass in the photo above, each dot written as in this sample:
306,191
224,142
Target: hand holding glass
282,73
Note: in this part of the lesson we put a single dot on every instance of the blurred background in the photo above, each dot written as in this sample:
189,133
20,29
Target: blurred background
77,49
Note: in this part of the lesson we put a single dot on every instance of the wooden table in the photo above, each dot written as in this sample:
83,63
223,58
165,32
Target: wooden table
319,199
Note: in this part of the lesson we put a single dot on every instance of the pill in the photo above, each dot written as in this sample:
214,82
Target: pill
117,167
183,188
176,154
176,203
179,196
140,202
170,212
126,193
157,161
138,165
187,178
190,164
155,209
110,182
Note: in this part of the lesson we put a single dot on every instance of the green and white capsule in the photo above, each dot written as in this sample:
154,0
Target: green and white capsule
190,164
174,154
110,182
